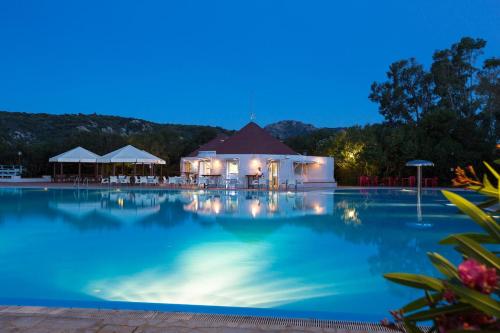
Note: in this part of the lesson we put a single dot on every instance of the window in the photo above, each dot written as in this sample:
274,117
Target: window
232,167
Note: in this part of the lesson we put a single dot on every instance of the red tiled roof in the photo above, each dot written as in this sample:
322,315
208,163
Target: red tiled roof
253,139
210,145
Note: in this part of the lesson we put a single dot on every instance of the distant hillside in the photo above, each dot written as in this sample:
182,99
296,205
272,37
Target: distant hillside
40,136
289,128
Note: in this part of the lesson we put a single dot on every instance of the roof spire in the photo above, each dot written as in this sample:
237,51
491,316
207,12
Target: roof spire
252,113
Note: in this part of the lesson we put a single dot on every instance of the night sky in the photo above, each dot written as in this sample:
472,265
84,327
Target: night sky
199,62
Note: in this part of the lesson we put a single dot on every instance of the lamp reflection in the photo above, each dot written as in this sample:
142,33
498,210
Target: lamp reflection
349,213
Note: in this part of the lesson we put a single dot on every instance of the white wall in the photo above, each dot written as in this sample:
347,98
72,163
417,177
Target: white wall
322,170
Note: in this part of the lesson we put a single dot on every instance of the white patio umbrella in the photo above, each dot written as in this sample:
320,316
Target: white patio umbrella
76,155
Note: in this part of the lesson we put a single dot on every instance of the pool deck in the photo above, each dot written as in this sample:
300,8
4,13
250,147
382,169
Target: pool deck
30,319
94,186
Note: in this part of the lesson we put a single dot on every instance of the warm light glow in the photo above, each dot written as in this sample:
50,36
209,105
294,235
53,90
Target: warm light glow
318,209
120,202
216,206
255,208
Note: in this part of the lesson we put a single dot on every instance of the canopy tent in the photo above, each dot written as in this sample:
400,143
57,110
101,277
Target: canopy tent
76,155
130,154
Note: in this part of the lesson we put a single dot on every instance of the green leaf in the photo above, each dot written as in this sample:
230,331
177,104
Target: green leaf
497,161
473,249
411,327
443,265
416,281
421,302
478,300
433,313
493,171
483,219
480,238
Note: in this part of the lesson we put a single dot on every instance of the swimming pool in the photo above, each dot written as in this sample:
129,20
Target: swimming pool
315,254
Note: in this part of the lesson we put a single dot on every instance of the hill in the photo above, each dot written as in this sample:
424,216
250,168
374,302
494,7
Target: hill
40,136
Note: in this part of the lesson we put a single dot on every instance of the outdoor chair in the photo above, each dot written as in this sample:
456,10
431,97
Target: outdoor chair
137,180
104,180
409,181
202,182
291,184
431,182
231,182
152,180
113,180
124,179
364,181
143,180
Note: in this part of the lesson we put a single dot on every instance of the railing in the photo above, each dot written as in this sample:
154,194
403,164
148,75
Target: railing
10,171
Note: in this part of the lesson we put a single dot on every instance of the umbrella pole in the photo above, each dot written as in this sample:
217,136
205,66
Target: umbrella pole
79,170
54,171
114,169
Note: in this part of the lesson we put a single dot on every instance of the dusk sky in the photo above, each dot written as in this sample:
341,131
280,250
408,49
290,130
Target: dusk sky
198,62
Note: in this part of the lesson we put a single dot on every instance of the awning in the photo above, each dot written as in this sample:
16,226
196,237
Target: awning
75,155
130,154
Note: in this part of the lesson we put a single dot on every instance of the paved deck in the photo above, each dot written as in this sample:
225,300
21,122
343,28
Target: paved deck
29,319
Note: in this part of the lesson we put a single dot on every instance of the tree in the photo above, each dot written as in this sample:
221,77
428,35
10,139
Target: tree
455,76
406,95
489,91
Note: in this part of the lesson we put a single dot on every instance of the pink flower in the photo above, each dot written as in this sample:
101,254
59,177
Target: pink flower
477,276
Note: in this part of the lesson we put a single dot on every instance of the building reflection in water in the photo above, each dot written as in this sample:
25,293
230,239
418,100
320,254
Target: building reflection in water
257,204
123,206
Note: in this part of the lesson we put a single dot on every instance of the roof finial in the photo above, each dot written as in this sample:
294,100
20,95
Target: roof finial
252,113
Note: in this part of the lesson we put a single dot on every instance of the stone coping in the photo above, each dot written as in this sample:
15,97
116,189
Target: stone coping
27,319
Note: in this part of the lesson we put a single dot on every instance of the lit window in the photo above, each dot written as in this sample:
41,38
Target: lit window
232,167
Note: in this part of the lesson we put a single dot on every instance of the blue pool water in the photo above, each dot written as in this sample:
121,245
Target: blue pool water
318,253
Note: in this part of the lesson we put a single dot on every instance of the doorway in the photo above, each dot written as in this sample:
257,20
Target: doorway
273,174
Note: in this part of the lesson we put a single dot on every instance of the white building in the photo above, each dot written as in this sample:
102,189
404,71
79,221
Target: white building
252,155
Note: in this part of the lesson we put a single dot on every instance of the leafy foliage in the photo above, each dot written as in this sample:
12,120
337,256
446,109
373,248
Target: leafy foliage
466,297
448,114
